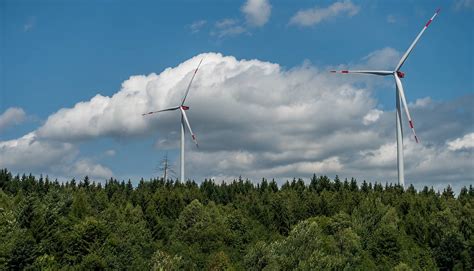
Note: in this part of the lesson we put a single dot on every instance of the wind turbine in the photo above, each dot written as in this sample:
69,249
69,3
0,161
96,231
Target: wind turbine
184,119
399,97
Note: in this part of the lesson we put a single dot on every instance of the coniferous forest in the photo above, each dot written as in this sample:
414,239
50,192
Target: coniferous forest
167,225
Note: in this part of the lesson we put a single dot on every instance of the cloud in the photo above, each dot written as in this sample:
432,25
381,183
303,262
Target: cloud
196,26
166,143
391,19
11,116
425,164
382,59
256,119
30,24
372,116
114,116
463,4
443,121
257,12
29,154
385,58
466,142
331,164
423,102
88,168
316,15
110,152
228,28
438,166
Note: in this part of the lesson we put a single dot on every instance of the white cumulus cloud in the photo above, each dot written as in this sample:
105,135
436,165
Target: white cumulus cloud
257,12
256,119
28,153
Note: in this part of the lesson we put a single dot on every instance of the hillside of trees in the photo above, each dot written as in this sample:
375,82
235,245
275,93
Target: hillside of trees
167,225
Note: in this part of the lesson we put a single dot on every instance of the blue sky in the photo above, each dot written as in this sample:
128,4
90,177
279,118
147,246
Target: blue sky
55,54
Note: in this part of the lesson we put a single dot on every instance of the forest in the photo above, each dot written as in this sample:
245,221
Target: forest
324,224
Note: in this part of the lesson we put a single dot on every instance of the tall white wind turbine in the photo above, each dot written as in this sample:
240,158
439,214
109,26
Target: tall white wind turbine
399,98
184,119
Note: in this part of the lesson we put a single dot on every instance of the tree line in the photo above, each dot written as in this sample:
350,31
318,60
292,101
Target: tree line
169,225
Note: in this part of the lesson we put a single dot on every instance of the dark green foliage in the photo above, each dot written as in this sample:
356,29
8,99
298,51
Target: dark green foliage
165,225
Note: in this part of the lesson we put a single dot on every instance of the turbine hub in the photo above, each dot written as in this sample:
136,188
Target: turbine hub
185,107
400,74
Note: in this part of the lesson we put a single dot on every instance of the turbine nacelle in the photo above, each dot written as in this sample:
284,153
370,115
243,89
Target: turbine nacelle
401,74
185,107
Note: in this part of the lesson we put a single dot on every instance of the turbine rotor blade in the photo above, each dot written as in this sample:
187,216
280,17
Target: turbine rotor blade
405,105
382,73
167,109
189,126
405,56
190,82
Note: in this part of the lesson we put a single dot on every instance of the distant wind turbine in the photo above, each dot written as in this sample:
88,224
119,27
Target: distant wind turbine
184,119
400,97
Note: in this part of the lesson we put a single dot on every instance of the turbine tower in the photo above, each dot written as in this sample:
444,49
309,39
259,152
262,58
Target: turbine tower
399,98
184,119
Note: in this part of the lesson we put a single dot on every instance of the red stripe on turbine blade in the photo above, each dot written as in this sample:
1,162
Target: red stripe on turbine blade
411,123
194,137
428,23
344,71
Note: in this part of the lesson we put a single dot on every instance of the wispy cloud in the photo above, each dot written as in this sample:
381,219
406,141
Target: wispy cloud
391,19
226,23
30,24
463,4
316,15
110,152
257,12
197,26
228,27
